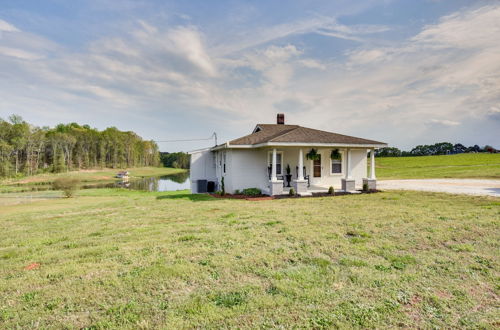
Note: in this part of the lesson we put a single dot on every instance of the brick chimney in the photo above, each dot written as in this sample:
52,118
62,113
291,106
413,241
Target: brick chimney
280,119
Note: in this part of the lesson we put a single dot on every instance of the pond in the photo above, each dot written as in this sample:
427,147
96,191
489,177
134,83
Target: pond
171,182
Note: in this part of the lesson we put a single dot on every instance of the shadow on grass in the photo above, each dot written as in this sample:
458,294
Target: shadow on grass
191,197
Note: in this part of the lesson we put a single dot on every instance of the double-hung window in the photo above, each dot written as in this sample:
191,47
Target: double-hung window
336,164
279,161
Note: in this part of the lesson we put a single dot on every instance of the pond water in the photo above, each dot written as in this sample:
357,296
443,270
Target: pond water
171,182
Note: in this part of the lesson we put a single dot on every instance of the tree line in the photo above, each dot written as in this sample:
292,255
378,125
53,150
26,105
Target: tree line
175,159
442,148
26,149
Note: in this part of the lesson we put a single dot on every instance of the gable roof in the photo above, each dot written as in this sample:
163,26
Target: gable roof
276,133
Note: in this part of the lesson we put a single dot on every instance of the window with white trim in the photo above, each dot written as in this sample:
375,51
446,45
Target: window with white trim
279,161
224,161
336,164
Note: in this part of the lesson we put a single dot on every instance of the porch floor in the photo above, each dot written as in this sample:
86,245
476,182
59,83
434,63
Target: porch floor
312,189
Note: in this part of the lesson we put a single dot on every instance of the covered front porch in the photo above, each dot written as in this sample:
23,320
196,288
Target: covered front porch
314,169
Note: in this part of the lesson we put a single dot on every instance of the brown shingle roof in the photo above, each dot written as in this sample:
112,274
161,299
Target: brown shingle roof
296,134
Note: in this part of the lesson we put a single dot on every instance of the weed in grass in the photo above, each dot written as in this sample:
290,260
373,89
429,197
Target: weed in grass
401,262
123,314
230,299
320,262
163,305
71,245
273,223
383,268
273,290
321,320
30,296
348,262
187,238
10,253
462,248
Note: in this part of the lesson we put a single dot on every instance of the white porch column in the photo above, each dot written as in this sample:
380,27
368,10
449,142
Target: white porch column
372,164
273,171
349,174
301,165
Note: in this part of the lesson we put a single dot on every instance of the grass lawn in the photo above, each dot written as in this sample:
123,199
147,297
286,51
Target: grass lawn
125,259
85,176
480,166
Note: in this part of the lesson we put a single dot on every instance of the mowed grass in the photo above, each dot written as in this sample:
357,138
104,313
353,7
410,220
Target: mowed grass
124,259
479,166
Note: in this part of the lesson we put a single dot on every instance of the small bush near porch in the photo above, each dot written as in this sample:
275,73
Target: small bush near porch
125,259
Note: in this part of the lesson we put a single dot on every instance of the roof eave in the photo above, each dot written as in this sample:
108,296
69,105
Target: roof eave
303,144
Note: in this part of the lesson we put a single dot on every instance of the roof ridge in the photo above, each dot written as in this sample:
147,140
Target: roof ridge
349,136
285,128
285,133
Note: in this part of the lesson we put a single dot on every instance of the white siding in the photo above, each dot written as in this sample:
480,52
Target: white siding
202,167
359,167
248,169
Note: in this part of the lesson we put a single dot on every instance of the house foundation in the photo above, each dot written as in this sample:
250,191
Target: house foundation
371,183
348,184
300,186
276,187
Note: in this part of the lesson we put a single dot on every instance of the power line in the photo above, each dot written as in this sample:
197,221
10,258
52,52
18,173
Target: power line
213,136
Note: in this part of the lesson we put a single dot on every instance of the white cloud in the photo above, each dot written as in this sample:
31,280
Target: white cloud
18,53
444,122
187,42
312,64
258,37
464,29
7,27
367,56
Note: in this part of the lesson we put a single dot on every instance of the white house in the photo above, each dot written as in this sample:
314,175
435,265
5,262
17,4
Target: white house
275,157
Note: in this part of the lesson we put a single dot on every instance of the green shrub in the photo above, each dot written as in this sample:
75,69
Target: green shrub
291,192
365,187
67,185
252,192
331,191
237,192
222,187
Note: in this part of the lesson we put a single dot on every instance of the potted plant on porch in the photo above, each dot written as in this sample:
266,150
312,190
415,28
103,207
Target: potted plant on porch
313,154
288,175
335,155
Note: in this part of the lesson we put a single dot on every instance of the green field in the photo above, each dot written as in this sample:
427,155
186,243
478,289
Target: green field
125,259
480,166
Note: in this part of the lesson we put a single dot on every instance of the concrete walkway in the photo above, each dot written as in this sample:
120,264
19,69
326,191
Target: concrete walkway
453,186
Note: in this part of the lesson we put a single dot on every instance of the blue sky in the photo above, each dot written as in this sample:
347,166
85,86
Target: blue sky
403,72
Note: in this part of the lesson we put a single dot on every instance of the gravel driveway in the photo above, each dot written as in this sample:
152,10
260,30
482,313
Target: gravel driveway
453,186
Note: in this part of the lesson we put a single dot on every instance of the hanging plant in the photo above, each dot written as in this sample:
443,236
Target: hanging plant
336,154
313,154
